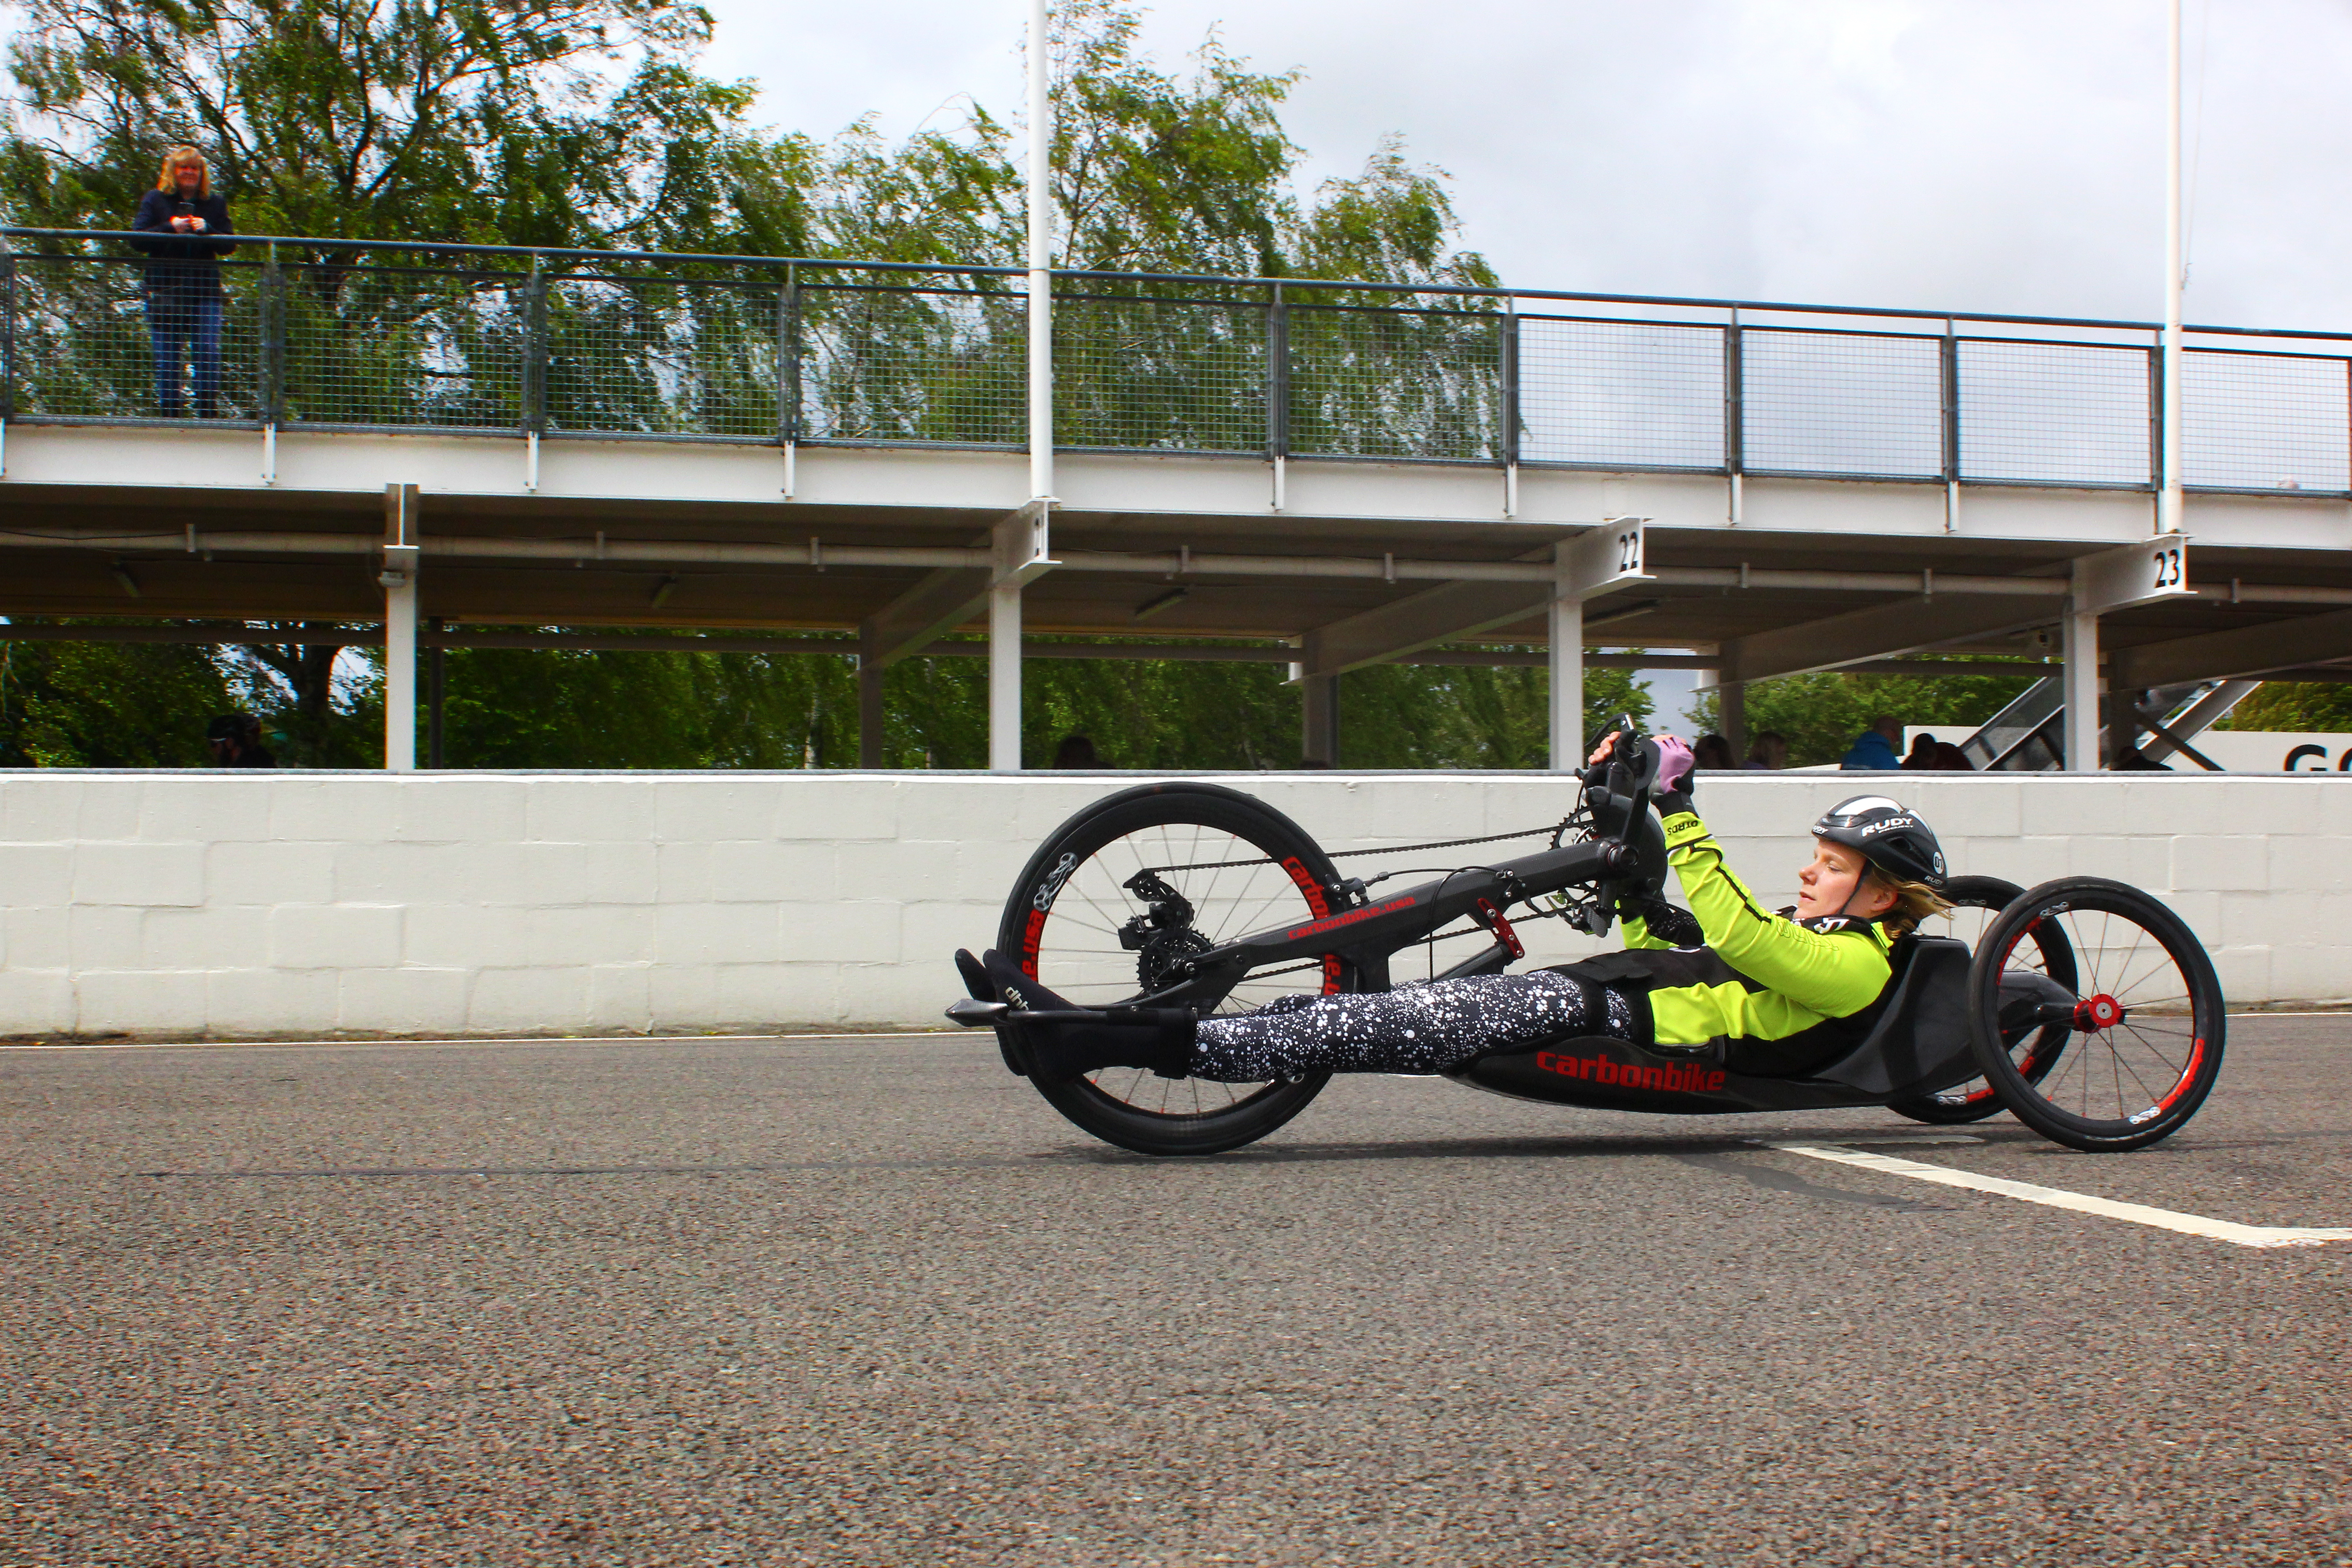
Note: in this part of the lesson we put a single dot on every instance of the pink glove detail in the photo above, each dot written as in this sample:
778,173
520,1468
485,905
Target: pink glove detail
1674,764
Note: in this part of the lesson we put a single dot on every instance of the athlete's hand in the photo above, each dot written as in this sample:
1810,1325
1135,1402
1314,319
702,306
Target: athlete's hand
1601,752
1675,764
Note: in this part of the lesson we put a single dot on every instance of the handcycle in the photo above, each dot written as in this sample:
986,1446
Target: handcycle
2083,1006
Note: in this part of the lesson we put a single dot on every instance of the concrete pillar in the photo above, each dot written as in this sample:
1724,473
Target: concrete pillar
436,693
870,717
402,551
2081,680
1732,700
1004,676
1567,697
1319,720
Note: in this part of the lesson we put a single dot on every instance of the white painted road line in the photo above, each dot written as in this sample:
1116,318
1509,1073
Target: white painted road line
2081,1203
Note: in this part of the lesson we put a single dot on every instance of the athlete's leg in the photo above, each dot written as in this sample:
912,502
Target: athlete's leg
1422,1028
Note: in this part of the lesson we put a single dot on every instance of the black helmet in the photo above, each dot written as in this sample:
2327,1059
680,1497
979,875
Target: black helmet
1888,834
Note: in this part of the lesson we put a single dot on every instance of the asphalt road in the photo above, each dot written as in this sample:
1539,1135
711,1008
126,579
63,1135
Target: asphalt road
870,1301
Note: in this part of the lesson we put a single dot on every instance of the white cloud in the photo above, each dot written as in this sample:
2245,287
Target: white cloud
1998,156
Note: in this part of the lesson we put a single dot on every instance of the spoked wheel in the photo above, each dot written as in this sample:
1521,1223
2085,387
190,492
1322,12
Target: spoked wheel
1126,890
2146,1017
1977,902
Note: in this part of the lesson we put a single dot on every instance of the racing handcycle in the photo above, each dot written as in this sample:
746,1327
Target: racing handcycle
2086,1007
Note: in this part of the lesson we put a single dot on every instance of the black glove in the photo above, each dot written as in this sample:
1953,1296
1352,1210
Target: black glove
1676,927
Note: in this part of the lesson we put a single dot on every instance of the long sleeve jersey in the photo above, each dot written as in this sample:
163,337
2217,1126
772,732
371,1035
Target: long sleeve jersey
1797,984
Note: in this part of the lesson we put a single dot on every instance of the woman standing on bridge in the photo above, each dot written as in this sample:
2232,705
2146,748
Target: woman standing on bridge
190,226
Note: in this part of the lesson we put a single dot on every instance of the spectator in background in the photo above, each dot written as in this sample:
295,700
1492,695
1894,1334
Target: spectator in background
1712,751
1930,756
190,225
1077,752
1769,754
1874,749
235,741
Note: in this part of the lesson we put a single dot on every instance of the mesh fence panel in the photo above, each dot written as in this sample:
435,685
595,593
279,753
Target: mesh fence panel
1181,376
2053,413
1842,403
1395,384
660,357
1640,394
2265,422
913,365
90,342
403,346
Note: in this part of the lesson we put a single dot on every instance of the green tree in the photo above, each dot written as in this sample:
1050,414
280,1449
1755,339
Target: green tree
1820,714
2317,705
107,705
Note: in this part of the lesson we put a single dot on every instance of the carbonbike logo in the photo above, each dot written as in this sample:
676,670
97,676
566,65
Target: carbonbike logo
1316,928
1625,1075
1051,887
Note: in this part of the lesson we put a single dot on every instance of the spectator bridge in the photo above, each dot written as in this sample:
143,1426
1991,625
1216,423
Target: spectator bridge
468,445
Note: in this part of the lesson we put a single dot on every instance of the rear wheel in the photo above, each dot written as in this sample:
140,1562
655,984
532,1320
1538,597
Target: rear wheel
2146,1020
1977,902
1125,891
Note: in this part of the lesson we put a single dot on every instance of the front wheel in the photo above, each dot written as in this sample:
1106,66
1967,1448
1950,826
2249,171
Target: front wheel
1977,902
1115,900
2145,1018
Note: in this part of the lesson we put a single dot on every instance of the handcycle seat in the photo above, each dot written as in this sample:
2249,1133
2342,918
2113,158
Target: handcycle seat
1919,1042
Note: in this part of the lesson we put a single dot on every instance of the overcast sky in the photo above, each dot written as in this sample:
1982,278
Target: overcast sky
2002,155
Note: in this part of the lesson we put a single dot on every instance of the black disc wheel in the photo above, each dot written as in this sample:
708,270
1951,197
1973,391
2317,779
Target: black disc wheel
1977,902
1115,900
2144,1015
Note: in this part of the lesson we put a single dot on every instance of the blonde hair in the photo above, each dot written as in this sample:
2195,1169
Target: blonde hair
167,178
1914,902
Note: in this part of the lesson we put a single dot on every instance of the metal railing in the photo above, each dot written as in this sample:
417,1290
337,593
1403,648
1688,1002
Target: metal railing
330,334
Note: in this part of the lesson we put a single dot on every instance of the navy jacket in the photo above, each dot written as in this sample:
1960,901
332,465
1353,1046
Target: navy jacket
181,266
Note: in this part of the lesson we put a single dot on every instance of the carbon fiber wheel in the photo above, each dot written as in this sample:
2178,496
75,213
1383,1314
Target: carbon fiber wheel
1135,884
2146,1015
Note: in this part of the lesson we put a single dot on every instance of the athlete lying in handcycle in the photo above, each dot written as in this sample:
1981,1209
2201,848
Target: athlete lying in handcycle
1727,982
1182,917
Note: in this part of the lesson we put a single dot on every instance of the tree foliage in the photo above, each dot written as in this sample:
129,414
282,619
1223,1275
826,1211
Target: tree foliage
1822,713
2321,706
587,123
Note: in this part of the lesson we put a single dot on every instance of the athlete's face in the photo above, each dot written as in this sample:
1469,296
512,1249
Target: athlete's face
1826,886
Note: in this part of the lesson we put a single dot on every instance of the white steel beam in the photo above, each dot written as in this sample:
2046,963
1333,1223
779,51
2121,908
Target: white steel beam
1880,632
402,552
2241,650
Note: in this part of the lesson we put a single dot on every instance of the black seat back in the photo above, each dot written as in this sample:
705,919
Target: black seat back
1920,1042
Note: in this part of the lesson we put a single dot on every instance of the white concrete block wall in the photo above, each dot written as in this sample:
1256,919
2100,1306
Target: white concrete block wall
310,903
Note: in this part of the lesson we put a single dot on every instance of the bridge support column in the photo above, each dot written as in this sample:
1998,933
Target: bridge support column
2111,580
1020,546
1585,567
401,548
1733,701
2080,679
436,699
1567,695
870,715
1319,720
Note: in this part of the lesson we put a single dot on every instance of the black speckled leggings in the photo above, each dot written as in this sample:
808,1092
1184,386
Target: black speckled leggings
1420,1028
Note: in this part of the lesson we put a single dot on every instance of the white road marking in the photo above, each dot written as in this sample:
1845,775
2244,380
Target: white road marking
2081,1203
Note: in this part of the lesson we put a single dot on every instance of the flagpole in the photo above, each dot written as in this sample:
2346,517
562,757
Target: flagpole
2167,506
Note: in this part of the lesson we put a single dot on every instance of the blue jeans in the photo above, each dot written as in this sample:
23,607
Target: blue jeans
186,332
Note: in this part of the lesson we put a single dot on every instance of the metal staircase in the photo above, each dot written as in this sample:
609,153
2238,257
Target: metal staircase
2029,735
